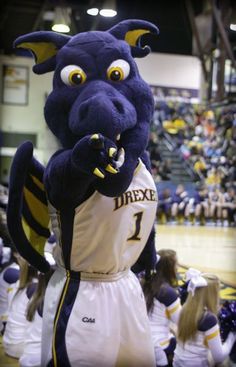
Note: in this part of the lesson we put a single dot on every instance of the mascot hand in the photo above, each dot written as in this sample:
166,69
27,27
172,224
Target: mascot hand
97,155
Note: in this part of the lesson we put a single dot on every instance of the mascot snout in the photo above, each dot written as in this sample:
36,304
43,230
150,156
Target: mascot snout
104,111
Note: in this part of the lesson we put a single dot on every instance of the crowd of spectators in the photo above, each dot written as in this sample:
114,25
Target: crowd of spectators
206,140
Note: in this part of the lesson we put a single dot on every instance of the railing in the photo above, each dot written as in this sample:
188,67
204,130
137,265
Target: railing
173,147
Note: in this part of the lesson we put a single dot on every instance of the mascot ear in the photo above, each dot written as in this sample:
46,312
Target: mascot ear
131,32
44,46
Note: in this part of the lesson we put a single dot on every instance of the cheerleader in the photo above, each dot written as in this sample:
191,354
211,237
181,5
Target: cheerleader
8,279
198,328
15,332
163,305
31,356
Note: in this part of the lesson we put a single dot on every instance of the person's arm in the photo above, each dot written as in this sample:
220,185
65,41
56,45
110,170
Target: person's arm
169,297
219,350
173,311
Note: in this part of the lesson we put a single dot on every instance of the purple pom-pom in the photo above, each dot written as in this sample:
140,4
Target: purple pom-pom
227,318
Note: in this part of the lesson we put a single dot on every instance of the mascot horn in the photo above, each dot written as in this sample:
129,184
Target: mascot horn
96,195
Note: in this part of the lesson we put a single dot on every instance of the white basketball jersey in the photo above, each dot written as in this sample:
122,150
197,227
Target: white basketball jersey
110,233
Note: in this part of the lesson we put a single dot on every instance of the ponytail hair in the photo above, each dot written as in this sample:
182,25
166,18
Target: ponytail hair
27,274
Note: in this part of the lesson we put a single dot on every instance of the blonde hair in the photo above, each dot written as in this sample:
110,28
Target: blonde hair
27,274
204,299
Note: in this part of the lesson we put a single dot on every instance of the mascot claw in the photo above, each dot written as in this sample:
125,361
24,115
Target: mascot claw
111,169
112,152
97,141
97,172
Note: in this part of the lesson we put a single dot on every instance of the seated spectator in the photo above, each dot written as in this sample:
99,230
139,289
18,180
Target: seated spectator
209,123
213,178
215,205
201,205
198,327
163,305
200,166
229,207
180,200
164,205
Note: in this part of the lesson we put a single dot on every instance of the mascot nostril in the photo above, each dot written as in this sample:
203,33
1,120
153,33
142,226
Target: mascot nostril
95,194
84,111
119,106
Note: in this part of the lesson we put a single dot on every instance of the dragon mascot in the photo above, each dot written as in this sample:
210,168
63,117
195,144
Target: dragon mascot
96,194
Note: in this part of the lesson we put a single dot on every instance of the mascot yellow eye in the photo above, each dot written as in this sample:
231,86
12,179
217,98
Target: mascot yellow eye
118,70
73,75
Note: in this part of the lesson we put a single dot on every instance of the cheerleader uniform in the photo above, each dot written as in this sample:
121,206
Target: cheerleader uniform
166,309
195,353
31,356
8,279
15,332
100,318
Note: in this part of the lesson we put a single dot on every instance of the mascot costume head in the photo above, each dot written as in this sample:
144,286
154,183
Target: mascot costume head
96,195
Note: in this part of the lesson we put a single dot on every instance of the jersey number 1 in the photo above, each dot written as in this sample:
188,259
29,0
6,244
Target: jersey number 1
135,237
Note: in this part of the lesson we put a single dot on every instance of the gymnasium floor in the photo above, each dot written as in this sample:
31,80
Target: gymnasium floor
211,249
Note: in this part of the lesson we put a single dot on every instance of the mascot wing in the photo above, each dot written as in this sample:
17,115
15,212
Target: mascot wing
27,211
